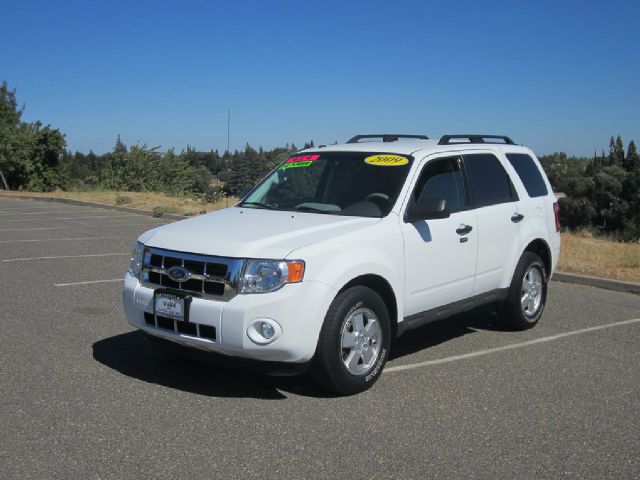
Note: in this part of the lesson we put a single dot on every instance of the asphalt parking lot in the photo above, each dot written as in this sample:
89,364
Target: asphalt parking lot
84,396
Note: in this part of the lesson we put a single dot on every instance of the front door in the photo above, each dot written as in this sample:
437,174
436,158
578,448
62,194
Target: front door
440,255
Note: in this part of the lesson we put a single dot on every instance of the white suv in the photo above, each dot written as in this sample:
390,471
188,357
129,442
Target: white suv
341,248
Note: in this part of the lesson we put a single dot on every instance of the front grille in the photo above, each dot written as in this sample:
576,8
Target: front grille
176,326
215,277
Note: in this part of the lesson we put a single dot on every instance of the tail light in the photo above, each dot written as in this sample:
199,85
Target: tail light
556,211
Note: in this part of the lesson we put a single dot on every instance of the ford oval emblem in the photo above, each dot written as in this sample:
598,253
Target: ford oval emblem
178,274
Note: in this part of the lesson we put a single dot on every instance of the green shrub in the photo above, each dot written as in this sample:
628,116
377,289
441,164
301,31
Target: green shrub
74,185
213,194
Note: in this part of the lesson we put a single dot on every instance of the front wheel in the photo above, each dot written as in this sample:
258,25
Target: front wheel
354,342
527,293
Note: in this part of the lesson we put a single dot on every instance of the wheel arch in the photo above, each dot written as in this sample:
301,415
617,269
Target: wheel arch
383,288
541,248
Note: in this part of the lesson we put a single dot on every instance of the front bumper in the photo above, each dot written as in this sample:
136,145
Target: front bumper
299,310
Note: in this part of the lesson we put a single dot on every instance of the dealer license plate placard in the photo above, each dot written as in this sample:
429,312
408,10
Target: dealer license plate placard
169,306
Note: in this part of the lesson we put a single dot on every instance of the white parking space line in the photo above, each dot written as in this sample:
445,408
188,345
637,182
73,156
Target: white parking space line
135,224
68,218
18,209
22,207
67,227
30,229
88,282
32,259
512,346
41,212
70,239
44,206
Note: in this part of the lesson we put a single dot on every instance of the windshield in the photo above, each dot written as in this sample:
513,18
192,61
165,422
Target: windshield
363,184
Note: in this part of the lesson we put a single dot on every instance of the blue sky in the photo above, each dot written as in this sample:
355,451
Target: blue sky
561,75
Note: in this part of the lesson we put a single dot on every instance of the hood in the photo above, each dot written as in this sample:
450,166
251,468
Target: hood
252,233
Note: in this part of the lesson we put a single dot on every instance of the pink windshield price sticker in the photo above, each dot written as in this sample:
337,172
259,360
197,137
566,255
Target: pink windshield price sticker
299,161
303,158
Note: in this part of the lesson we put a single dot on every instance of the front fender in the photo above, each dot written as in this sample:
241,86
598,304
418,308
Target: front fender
375,250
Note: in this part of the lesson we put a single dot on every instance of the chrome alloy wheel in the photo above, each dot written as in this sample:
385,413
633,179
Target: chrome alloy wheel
361,338
531,293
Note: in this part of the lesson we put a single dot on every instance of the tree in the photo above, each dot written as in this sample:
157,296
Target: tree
46,149
575,213
631,194
602,192
612,149
29,152
608,197
119,147
616,151
632,161
9,125
119,155
619,151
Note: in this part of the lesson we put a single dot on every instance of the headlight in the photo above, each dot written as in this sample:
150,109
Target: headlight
262,276
136,260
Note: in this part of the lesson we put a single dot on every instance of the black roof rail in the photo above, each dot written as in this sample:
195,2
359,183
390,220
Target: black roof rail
475,138
386,137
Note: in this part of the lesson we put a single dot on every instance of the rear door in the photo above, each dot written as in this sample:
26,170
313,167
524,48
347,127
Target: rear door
440,255
499,218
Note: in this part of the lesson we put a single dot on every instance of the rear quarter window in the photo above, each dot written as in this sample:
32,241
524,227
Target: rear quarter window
529,173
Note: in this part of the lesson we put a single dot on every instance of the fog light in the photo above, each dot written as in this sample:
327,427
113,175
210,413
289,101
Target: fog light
264,331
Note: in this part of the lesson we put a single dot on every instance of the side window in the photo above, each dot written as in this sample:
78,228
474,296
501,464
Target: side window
529,173
442,178
490,183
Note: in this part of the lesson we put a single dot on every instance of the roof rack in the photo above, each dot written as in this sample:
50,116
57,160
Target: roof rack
475,138
386,137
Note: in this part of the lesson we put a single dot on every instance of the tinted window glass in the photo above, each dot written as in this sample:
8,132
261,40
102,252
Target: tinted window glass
528,173
442,178
489,181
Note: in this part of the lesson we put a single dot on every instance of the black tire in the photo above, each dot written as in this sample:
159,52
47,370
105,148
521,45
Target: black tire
329,369
512,313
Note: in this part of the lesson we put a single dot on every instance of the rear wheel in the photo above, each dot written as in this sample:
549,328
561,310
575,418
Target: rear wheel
354,342
527,293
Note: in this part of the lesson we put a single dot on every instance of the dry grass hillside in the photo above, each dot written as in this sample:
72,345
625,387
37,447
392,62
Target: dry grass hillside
181,205
583,253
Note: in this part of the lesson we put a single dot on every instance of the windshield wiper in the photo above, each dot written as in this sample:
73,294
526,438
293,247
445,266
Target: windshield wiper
258,204
306,208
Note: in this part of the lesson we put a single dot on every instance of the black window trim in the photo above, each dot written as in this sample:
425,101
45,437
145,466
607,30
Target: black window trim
514,193
465,181
538,168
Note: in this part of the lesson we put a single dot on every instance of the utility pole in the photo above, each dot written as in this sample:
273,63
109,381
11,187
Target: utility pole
228,128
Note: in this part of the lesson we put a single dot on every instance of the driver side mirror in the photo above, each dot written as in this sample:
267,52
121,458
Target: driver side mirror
428,208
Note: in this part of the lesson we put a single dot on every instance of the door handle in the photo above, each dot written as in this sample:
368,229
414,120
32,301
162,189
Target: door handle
464,229
516,217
